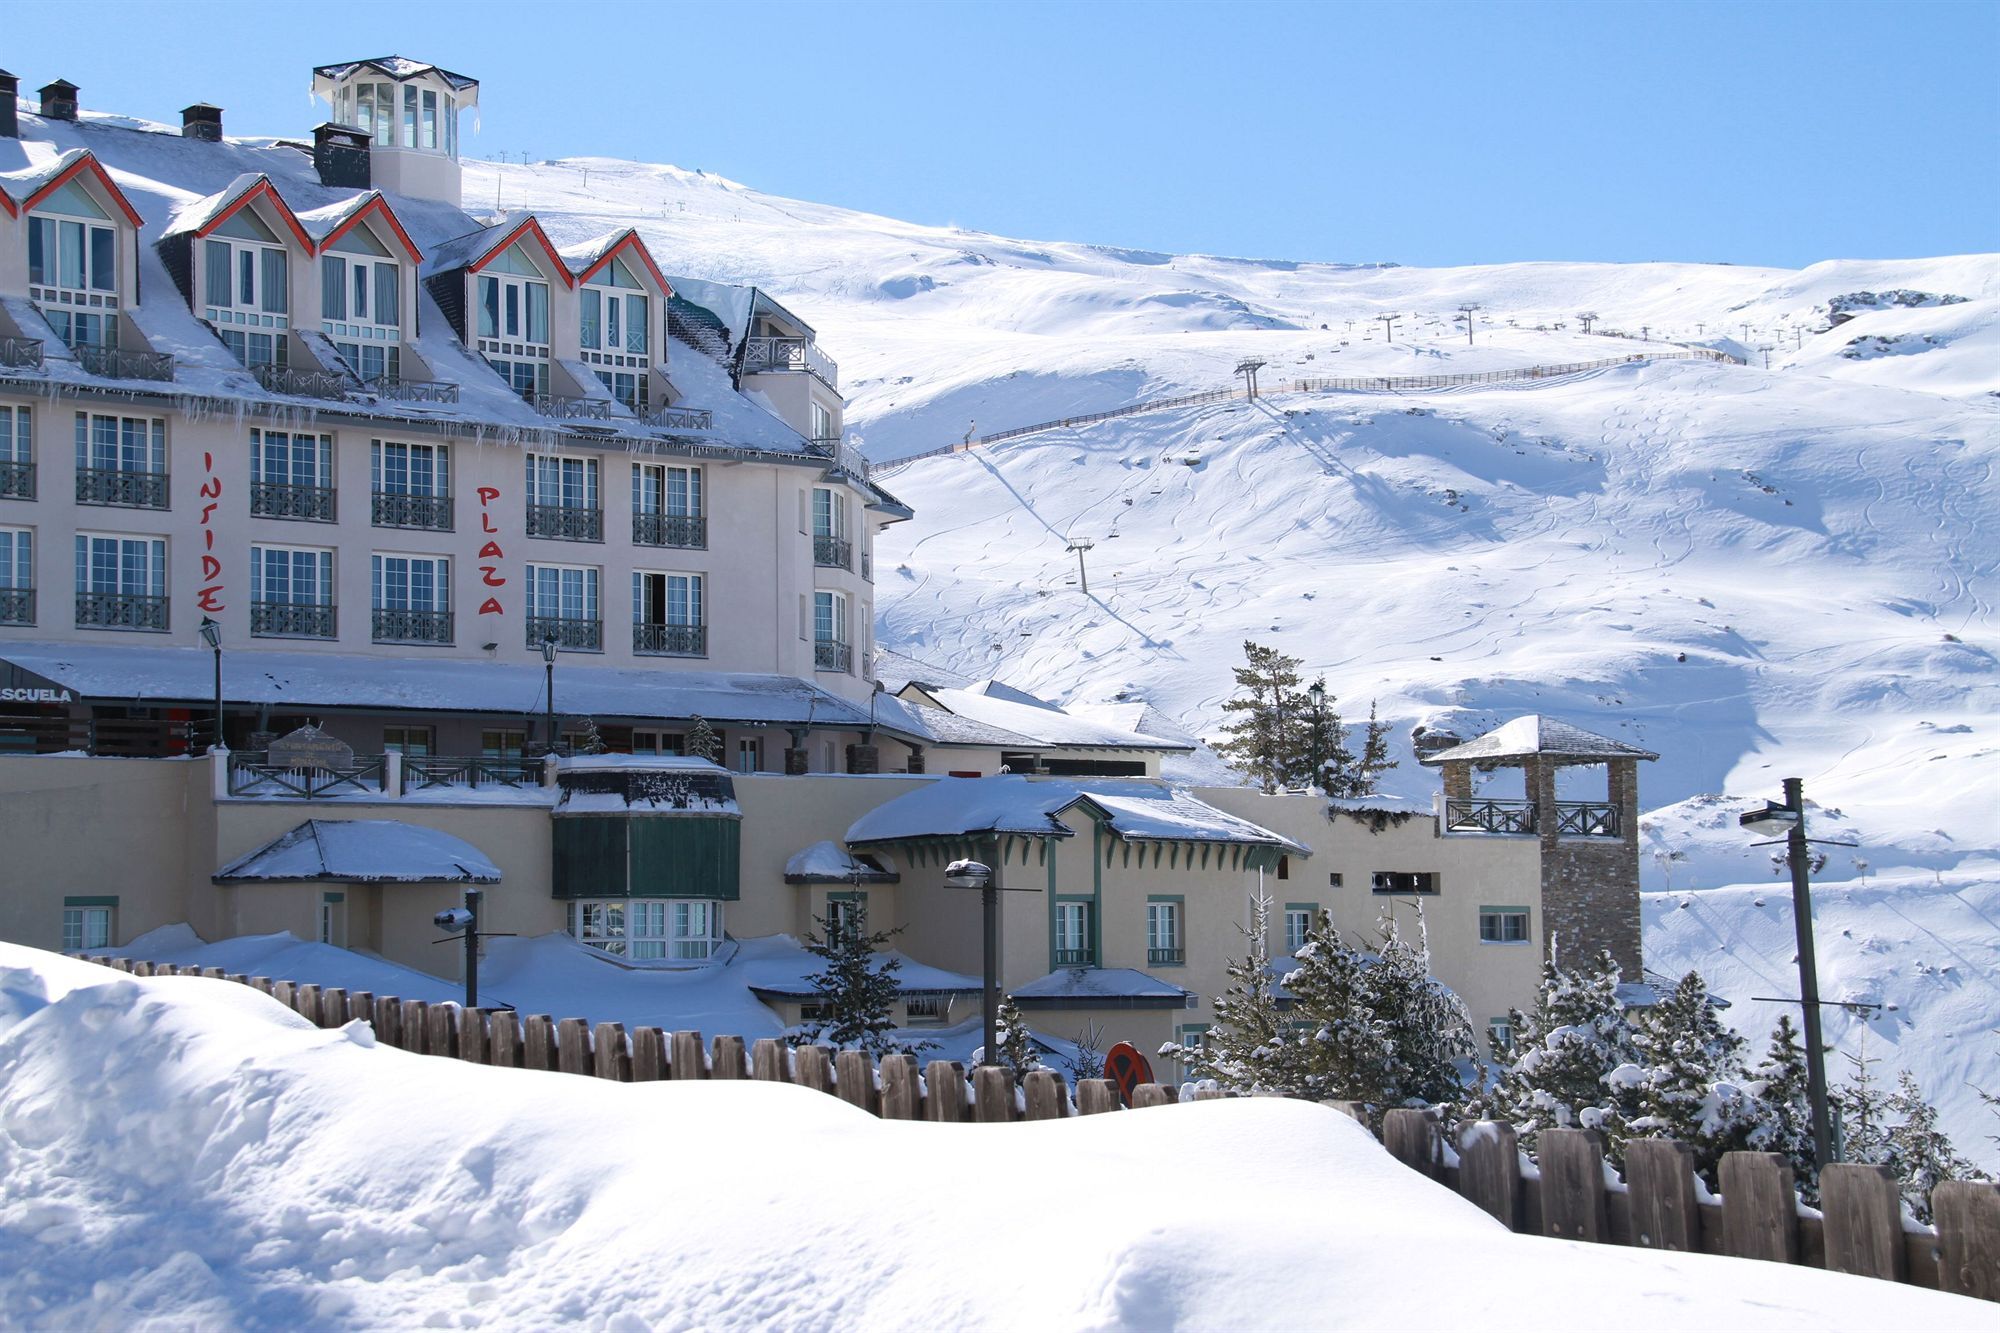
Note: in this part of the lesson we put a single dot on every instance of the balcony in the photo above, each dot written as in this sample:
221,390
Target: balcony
830,655
575,636
410,626
251,774
313,504
1075,958
1582,819
412,391
17,481
670,640
428,772
564,408
113,363
833,553
392,509
301,383
682,418
765,356
21,353
17,606
291,620
116,486
120,610
566,523
687,531
1172,955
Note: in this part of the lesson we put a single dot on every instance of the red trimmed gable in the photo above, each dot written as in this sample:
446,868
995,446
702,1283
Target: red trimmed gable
262,189
631,241
88,162
376,205
527,224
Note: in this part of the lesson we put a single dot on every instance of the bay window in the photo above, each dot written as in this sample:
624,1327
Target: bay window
513,307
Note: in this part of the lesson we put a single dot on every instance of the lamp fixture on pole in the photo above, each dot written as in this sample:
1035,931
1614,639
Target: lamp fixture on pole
549,688
978,875
211,634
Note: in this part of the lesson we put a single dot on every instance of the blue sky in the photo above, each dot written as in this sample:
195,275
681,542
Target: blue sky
1424,133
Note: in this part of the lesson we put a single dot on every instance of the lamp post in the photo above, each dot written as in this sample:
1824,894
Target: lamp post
549,690
1791,816
1317,693
211,634
977,875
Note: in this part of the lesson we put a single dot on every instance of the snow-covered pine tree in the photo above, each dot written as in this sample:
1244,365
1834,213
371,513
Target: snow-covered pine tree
1921,1154
1324,760
1248,1047
1341,1047
1864,1114
1565,1051
1425,1025
1781,1085
858,986
592,741
1017,1045
1259,741
1375,758
702,742
1687,1082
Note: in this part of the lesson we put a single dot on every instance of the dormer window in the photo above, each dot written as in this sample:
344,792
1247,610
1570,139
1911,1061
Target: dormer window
614,330
73,267
361,305
513,302
246,289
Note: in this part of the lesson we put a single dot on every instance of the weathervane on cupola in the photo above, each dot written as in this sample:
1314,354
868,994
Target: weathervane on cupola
409,111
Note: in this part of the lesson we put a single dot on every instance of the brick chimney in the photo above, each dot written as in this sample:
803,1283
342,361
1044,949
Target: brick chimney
341,156
202,121
59,100
10,118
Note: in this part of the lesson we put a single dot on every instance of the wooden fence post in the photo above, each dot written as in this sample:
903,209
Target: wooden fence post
1048,1099
992,1094
855,1080
726,1058
442,1036
264,984
472,1036
416,1027
944,1098
573,1046
1411,1136
389,1021
305,1002
1573,1185
503,1039
1095,1096
1659,1176
281,991
1352,1110
814,1068
1968,1227
611,1060
770,1060
1489,1169
332,1007
649,1055
688,1059
901,1096
538,1043
214,974
1153,1094
1760,1211
361,1005
241,978
1864,1221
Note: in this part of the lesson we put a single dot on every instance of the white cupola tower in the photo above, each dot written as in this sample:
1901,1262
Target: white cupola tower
409,110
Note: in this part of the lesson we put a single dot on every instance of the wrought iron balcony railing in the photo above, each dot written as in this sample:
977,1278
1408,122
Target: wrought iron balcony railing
412,391
116,486
17,606
393,625
21,353
115,363
670,640
571,635
833,552
683,418
1175,954
394,510
688,531
565,523
565,408
1074,958
291,620
17,481
762,356
300,382
120,610
830,655
270,499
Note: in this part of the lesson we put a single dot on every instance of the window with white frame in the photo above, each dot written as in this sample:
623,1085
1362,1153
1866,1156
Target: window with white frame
613,315
73,267
88,925
749,754
502,744
1500,1035
246,289
411,596
830,618
675,929
17,452
121,444
562,605
514,307
418,741
1072,943
1163,932
333,920
846,915
361,305
17,576
564,483
411,484
668,613
291,592
927,1011
1298,925
290,458
829,513
823,427
1503,925
121,582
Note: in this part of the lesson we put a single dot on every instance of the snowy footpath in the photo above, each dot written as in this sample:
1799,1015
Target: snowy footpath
184,1153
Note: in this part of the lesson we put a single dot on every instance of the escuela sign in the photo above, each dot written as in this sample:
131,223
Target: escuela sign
34,695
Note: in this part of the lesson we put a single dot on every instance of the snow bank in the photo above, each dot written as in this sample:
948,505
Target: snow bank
185,1152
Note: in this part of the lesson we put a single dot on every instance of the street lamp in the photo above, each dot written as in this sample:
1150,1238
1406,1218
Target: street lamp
978,875
211,634
1790,819
549,691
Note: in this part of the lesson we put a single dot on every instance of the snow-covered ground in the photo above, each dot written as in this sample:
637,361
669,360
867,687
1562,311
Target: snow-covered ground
185,1153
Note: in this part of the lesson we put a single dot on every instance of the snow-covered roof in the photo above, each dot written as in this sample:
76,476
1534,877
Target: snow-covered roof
1013,710
1135,810
942,728
826,863
1100,988
912,978
363,851
1532,735
399,68
895,670
323,223
474,246
584,256
334,680
25,183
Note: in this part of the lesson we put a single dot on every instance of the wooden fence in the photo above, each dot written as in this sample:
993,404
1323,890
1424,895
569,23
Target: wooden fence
1569,1194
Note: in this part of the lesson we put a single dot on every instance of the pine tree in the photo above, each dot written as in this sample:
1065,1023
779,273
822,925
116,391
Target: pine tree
1341,1047
1259,741
593,739
1249,1048
1016,1044
1686,1081
1425,1026
702,742
1564,1054
1921,1154
1782,1088
1375,759
1088,1061
1324,761
1864,1114
858,987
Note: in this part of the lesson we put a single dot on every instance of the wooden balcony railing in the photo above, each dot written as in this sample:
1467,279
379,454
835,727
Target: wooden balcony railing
423,773
21,353
252,774
300,382
116,486
687,531
1582,819
117,364
763,356
270,499
392,509
565,408
412,391
682,418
